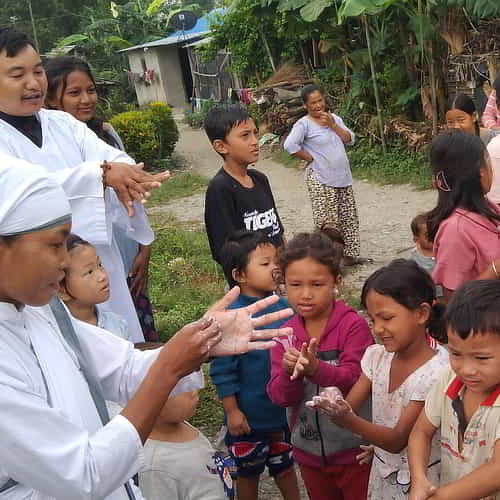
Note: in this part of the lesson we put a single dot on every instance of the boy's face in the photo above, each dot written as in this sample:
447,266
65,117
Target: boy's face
32,266
86,280
476,360
258,279
23,83
179,408
241,145
422,240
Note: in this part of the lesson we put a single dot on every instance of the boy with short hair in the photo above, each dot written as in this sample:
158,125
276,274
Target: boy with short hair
464,404
237,197
423,254
179,459
258,433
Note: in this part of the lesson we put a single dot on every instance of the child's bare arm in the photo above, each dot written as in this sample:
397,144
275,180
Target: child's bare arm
360,392
392,439
236,420
480,483
419,450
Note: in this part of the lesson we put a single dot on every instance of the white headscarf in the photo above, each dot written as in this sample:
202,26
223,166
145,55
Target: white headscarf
29,199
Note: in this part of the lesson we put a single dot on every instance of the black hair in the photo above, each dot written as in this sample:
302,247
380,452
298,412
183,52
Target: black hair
307,90
475,308
409,285
496,86
58,69
13,41
418,221
73,241
464,103
222,119
457,159
237,249
317,245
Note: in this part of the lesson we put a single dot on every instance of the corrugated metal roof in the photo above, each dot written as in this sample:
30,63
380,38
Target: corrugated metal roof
199,30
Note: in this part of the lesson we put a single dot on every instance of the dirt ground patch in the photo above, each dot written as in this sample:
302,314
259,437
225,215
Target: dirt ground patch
385,212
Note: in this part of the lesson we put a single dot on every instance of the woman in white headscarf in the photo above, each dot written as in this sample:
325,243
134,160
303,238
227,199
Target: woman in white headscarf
55,441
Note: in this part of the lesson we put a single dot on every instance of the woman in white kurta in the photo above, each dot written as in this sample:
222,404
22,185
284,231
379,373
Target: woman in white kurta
70,147
53,444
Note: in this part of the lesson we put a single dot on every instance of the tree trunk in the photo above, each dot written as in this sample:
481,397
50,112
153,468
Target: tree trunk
375,86
303,54
432,77
268,49
35,37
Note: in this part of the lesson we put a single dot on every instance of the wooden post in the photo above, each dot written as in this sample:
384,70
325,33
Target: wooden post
432,77
375,86
35,37
315,53
268,49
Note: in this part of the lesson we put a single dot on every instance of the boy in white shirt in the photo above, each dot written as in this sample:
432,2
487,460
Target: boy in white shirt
464,404
180,459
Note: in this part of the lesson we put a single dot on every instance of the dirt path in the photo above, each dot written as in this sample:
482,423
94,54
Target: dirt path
385,212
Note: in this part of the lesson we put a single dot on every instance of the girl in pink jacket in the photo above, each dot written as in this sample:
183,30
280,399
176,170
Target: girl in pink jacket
325,350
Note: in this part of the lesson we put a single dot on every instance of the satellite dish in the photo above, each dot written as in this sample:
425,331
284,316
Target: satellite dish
183,20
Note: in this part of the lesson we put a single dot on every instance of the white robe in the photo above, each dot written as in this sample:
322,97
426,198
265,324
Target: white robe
51,439
73,154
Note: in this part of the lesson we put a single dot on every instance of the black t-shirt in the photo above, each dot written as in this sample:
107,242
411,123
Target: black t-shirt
230,207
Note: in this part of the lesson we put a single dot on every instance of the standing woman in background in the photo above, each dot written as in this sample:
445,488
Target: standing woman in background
319,138
72,88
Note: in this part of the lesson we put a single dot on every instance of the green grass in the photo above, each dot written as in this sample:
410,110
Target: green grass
286,159
181,184
397,166
184,280
350,296
209,414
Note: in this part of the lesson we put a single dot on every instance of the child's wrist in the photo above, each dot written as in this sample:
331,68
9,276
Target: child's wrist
314,368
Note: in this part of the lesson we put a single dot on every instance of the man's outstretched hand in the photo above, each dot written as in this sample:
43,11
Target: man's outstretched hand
238,326
131,183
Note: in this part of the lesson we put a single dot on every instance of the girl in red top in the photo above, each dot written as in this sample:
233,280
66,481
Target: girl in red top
330,339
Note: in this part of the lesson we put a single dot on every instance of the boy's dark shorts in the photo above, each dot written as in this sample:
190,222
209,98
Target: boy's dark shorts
252,452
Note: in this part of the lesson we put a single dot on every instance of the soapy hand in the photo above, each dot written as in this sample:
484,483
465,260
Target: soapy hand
330,402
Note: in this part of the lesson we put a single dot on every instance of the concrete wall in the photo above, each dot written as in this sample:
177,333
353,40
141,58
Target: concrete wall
169,86
170,67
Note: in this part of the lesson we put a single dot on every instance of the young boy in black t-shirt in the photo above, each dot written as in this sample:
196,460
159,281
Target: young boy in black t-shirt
237,197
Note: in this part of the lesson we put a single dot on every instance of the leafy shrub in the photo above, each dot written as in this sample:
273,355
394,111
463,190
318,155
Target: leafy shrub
149,135
168,134
397,166
196,119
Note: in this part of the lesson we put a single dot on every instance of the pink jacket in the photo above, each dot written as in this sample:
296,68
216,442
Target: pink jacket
491,115
316,440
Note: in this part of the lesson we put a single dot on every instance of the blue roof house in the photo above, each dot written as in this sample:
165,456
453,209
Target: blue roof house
160,70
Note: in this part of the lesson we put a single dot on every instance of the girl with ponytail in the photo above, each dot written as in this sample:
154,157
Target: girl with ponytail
464,225
396,375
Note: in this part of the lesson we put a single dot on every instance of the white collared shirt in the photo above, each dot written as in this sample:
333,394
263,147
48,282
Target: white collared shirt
51,439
